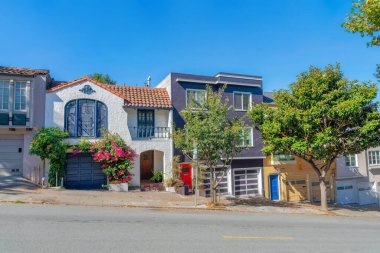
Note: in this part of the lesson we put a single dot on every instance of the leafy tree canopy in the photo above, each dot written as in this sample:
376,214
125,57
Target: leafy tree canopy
364,18
106,79
322,116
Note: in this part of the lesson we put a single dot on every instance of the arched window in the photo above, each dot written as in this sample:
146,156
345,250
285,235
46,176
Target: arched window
85,118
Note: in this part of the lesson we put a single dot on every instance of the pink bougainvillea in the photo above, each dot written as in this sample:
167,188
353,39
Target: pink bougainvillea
115,156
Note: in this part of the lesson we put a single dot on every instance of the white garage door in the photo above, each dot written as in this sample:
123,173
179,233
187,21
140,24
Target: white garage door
366,195
246,181
345,192
11,151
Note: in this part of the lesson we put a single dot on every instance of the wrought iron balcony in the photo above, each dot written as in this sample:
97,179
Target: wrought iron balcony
143,132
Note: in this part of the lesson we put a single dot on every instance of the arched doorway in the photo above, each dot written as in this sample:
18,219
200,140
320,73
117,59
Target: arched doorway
151,162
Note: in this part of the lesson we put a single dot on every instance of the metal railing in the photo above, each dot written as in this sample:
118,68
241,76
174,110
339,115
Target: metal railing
143,132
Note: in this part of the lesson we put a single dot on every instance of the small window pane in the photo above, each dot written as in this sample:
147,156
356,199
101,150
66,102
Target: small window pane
246,101
4,95
195,97
238,101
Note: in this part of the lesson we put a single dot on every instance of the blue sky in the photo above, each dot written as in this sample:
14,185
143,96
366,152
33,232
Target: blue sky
130,40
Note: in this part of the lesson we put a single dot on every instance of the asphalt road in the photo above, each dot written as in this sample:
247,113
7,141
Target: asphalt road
33,228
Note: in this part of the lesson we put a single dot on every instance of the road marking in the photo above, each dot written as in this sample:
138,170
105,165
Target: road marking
259,237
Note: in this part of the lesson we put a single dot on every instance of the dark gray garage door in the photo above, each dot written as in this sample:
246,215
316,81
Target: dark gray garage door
82,172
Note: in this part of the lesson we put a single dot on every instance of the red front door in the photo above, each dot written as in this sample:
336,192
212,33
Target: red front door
186,175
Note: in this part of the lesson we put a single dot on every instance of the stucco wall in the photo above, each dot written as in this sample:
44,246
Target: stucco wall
32,165
297,169
345,172
119,120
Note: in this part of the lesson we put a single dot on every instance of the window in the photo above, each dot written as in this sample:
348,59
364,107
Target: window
198,97
145,123
351,160
85,117
374,157
20,96
4,95
242,101
247,137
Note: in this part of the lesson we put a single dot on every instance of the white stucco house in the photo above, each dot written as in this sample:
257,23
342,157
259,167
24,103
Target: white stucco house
142,116
22,105
358,178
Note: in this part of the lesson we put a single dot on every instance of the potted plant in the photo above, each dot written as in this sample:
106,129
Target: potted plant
157,176
171,184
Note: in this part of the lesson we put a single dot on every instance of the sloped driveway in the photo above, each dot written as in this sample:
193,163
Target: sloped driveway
16,185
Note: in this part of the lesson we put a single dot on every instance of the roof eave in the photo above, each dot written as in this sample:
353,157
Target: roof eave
148,107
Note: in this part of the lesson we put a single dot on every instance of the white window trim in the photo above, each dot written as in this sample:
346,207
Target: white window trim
14,96
194,90
352,166
252,144
249,103
9,92
369,160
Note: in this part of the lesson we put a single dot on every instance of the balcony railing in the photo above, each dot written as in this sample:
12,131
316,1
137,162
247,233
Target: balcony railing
143,132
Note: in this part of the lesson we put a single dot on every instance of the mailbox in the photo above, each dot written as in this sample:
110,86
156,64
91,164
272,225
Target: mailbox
185,175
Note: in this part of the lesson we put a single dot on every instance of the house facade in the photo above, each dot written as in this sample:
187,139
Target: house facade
22,105
290,178
142,116
358,178
245,176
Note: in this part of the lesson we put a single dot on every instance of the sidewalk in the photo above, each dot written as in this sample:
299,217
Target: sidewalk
172,200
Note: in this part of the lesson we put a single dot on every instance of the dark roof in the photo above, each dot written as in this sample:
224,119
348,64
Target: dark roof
22,71
133,96
268,97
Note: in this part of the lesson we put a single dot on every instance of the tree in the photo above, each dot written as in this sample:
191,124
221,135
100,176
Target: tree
106,79
322,116
215,135
48,144
364,18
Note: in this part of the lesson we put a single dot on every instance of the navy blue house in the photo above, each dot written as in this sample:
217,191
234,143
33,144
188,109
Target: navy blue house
245,177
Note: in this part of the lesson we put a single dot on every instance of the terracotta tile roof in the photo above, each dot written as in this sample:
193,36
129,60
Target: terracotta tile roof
22,71
133,96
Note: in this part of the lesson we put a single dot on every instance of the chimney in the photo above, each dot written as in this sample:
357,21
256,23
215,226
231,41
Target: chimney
147,84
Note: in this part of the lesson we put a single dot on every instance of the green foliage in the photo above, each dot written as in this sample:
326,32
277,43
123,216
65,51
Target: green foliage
322,116
48,143
173,180
85,145
157,176
106,79
115,156
364,18
210,129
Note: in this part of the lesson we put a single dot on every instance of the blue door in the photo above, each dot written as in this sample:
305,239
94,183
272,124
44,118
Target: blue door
274,191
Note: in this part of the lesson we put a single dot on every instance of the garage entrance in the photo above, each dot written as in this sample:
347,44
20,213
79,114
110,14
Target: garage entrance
82,172
246,181
345,192
11,155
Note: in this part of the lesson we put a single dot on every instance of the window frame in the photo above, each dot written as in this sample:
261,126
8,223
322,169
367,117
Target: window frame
9,91
350,160
199,90
243,139
242,102
14,96
377,157
96,118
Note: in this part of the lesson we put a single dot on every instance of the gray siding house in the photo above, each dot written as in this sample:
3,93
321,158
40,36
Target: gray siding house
358,178
245,176
22,106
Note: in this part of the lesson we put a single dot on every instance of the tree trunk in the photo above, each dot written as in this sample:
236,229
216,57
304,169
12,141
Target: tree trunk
214,197
212,186
322,185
